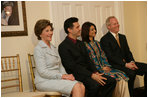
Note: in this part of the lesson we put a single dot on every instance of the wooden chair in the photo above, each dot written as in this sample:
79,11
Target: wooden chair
32,68
11,74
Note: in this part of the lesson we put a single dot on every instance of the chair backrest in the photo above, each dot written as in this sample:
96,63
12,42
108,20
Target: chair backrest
32,68
11,77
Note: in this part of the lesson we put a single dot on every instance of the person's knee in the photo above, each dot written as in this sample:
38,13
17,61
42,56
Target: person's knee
94,87
132,75
77,86
82,87
111,80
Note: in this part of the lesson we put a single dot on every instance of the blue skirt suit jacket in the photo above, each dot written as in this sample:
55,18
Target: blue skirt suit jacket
49,70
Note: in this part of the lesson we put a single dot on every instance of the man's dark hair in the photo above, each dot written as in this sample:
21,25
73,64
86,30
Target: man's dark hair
69,23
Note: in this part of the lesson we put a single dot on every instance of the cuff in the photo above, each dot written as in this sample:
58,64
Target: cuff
132,62
59,76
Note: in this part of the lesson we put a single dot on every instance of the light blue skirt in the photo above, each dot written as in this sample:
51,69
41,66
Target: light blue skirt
63,86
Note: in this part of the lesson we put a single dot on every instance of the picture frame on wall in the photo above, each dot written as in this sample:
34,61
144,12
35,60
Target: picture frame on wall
13,19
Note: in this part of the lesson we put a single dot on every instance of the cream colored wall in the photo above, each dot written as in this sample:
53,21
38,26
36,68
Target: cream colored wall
23,45
135,22
135,16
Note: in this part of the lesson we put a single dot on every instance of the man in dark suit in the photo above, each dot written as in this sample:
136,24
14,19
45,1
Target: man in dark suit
76,61
119,55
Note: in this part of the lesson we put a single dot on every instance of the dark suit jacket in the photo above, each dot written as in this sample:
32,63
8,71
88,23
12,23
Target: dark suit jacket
117,56
75,59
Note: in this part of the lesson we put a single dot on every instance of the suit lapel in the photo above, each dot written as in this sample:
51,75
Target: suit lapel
51,51
115,44
121,42
114,40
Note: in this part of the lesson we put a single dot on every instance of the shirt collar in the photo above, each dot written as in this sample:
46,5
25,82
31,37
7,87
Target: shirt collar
44,45
114,34
73,40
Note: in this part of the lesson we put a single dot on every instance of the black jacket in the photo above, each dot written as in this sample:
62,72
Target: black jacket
117,56
75,59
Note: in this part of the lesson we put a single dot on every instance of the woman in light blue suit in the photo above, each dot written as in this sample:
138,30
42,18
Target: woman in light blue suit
50,74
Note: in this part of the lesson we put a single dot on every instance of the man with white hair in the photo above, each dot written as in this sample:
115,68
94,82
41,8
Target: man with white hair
119,55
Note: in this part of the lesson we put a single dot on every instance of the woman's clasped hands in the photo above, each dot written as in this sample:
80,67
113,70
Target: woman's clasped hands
68,77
